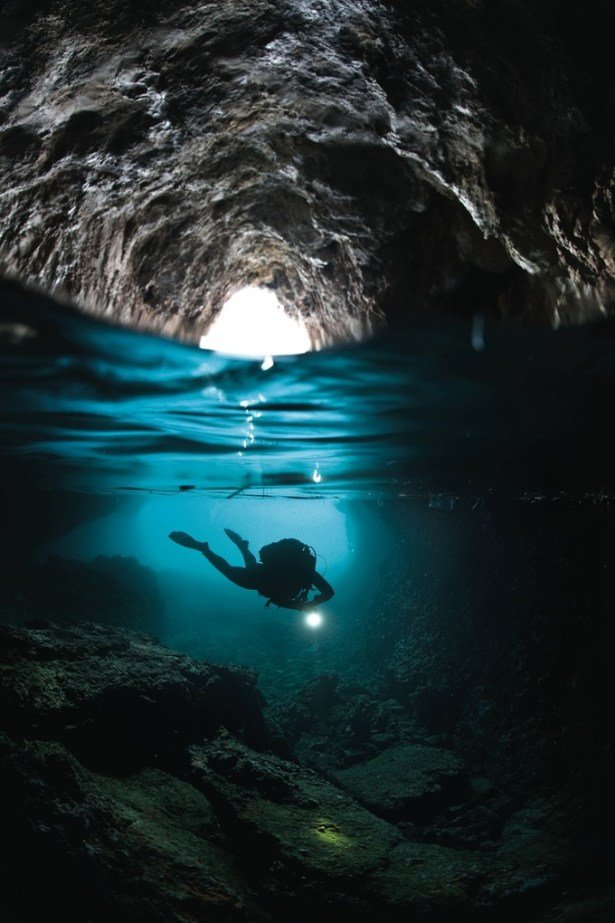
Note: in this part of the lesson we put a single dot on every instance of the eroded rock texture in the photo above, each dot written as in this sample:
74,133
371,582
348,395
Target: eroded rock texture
138,784
509,658
366,159
121,699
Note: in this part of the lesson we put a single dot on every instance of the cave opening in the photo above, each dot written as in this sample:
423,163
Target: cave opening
426,190
253,323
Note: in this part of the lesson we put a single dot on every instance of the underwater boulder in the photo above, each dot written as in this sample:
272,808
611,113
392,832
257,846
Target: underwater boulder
304,841
407,782
142,848
119,699
319,695
332,725
134,783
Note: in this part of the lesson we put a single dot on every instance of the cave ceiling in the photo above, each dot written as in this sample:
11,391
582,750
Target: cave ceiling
369,161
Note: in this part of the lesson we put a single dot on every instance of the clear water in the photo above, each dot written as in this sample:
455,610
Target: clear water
420,440
95,407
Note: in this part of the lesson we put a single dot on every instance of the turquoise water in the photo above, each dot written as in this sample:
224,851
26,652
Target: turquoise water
94,407
404,462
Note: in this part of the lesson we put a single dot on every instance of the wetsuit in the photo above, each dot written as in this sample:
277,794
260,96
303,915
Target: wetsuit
278,588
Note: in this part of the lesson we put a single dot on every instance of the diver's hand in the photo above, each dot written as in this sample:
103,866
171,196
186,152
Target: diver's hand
182,538
316,602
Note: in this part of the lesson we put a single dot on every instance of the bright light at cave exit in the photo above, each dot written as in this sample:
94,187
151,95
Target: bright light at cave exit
253,323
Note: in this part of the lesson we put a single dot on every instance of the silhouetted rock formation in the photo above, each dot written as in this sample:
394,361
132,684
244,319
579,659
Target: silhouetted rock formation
119,698
109,589
366,159
139,848
37,516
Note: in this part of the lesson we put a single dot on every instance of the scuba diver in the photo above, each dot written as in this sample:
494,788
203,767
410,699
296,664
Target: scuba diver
285,575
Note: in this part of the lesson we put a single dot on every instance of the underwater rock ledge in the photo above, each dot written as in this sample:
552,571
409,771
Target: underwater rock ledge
140,783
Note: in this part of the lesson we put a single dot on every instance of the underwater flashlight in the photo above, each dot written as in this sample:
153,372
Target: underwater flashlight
313,620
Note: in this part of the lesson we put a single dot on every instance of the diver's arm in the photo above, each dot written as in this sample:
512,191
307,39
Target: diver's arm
248,558
326,590
301,605
283,603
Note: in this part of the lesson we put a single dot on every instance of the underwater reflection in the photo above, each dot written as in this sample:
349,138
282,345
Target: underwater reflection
100,408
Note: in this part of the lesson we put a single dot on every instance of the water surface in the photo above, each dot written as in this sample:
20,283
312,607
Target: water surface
96,407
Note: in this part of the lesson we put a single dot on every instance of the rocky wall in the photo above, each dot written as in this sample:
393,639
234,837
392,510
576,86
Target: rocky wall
367,160
141,784
491,624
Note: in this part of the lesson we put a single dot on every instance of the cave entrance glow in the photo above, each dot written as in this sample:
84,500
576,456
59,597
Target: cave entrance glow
253,323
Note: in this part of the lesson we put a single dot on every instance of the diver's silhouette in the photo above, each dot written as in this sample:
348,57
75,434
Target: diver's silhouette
285,575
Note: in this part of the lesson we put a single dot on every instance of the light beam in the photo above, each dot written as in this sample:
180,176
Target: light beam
253,324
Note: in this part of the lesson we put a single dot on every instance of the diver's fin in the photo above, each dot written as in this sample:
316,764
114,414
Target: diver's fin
182,538
236,539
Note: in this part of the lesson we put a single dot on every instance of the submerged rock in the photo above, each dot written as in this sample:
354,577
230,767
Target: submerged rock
407,782
143,785
120,699
143,848
304,840
331,724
